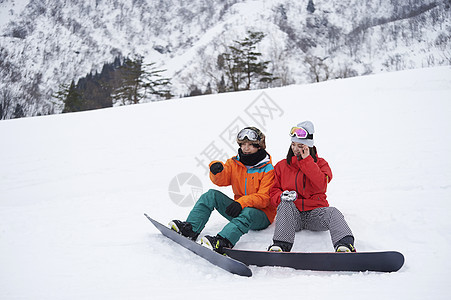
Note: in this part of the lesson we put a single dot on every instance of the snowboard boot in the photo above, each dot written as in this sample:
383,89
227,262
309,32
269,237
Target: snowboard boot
345,248
216,243
346,244
280,246
184,228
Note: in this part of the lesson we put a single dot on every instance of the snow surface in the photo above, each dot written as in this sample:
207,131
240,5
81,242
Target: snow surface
11,9
74,187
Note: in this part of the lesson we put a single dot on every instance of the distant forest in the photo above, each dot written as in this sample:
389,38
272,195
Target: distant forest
122,82
130,81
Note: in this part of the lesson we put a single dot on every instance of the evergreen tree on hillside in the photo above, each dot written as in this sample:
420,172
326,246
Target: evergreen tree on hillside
90,92
311,7
73,101
123,82
19,111
128,91
95,91
154,83
139,81
242,64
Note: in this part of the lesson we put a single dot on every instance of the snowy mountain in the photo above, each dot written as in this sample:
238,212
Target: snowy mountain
45,44
74,188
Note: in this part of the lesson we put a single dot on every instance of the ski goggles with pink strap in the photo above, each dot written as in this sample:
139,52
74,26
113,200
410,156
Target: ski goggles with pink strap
301,133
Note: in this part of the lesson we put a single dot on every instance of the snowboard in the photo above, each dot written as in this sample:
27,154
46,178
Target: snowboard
227,263
387,261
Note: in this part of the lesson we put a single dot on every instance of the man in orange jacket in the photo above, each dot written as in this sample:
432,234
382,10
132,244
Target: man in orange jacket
251,175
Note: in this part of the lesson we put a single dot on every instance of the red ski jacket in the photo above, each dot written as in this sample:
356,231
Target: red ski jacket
307,178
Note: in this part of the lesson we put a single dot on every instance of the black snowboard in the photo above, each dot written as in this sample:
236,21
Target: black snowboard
388,261
222,261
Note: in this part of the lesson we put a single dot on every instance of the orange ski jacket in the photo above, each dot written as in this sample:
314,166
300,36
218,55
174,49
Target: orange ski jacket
250,185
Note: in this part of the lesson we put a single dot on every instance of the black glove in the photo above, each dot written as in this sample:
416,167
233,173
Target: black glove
234,209
216,168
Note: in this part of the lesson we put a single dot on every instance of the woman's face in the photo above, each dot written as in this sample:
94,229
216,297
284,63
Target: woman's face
248,148
298,148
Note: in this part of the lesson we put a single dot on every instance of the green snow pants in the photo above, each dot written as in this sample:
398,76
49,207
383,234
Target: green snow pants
249,219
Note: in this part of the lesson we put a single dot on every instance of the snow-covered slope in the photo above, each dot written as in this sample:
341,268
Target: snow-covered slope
74,187
49,43
11,9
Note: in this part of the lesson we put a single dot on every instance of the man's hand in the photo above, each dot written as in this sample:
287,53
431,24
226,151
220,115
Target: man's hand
216,168
234,209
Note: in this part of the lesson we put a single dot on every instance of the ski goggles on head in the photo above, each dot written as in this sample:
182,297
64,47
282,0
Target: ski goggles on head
301,133
248,133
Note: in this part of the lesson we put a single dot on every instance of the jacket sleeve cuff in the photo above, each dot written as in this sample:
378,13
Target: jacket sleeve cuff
305,161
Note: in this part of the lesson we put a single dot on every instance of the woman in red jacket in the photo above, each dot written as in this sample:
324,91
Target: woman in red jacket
299,193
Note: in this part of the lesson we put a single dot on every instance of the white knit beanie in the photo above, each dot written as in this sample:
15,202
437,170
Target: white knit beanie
307,125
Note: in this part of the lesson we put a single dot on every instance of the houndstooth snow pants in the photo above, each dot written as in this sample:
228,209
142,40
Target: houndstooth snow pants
289,220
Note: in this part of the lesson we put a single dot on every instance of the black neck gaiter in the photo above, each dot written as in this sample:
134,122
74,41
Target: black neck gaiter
252,159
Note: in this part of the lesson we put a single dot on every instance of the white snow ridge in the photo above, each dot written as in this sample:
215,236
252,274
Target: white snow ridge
74,187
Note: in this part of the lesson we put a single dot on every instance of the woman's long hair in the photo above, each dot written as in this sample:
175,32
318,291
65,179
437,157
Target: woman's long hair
313,153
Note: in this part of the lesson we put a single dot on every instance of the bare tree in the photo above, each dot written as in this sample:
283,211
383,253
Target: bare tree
6,103
319,71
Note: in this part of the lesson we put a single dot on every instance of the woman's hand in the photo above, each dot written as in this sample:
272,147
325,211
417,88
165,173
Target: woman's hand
305,151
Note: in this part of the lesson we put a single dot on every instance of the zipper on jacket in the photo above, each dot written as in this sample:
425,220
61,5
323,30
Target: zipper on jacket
245,186
303,189
297,189
296,182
